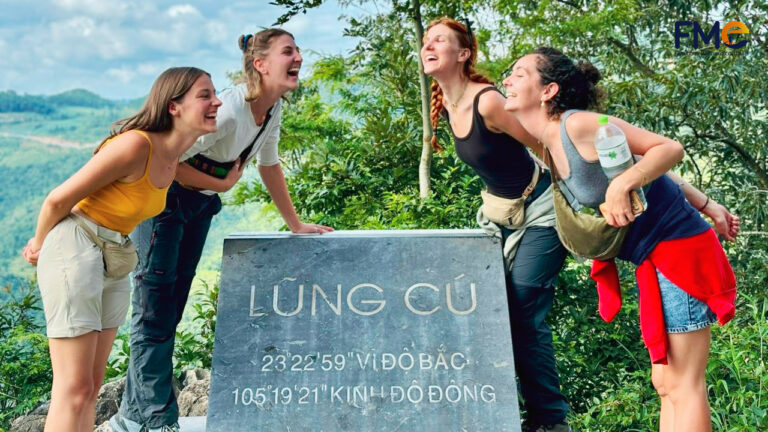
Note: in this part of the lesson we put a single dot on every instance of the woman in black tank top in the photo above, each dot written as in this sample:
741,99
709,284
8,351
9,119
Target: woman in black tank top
493,142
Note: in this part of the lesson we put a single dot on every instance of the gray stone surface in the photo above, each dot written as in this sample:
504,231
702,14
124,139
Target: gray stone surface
110,396
29,423
187,424
192,424
193,398
104,427
393,330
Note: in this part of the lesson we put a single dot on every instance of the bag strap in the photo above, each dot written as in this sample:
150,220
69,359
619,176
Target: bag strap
562,187
95,238
244,154
534,180
551,164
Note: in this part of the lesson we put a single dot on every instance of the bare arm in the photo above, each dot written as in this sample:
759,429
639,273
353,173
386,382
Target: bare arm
659,153
496,118
273,178
192,178
125,157
726,223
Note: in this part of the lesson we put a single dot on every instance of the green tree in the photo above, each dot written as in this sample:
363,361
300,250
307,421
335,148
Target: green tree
409,13
351,139
25,371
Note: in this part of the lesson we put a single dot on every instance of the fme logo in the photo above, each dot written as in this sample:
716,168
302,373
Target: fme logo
731,28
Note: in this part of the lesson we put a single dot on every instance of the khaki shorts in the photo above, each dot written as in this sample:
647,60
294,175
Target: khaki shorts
77,297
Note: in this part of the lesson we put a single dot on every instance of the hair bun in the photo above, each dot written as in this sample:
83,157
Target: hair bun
589,71
242,42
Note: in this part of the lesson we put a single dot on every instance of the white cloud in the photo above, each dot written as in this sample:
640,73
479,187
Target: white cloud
185,9
125,75
95,8
298,25
117,47
150,69
82,38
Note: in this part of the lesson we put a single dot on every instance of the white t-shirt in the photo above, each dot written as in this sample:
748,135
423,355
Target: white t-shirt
236,129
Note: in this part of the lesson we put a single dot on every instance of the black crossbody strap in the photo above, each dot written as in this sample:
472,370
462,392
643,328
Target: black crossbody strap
244,154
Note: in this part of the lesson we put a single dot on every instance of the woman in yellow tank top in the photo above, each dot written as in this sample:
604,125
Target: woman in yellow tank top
125,182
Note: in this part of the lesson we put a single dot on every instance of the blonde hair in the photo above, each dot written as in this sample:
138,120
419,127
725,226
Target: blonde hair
436,104
253,47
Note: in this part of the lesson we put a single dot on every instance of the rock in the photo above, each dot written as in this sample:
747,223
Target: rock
110,396
193,399
28,423
191,394
42,409
176,386
104,427
194,375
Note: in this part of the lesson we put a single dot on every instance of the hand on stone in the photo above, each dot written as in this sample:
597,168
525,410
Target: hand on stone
309,228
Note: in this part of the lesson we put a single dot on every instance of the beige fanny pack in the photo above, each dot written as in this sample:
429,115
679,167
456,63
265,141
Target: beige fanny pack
508,211
119,258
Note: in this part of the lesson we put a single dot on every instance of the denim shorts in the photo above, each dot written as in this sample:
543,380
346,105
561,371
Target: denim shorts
682,312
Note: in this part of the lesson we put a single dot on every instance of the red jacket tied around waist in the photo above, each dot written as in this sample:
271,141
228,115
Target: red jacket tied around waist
696,264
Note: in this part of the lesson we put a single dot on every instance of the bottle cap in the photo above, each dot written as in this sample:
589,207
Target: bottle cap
603,119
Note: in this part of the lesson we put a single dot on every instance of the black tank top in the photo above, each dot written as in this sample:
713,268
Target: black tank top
501,161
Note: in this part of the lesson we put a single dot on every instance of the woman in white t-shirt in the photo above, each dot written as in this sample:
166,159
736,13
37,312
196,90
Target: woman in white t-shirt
170,245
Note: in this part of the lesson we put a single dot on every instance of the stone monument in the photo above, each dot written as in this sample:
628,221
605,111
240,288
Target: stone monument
363,331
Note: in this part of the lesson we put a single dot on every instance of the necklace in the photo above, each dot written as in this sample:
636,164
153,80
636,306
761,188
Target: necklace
543,132
455,104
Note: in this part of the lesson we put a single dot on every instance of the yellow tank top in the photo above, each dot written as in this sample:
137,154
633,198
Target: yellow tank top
121,206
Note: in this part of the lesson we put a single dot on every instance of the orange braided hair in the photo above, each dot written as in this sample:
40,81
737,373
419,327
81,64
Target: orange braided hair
436,104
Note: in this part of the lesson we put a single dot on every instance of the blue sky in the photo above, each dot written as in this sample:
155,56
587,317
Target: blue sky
116,48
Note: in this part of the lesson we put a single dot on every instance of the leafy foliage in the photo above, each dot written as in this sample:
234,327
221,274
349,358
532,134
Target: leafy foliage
352,144
354,163
25,371
194,344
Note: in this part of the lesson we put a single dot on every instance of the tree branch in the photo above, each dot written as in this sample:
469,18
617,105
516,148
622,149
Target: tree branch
728,139
754,233
571,4
425,163
627,50
294,7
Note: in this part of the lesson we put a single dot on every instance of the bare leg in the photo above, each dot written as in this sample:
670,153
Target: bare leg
72,362
667,416
685,380
103,347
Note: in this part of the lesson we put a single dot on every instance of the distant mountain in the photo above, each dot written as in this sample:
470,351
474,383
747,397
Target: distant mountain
134,104
81,98
12,102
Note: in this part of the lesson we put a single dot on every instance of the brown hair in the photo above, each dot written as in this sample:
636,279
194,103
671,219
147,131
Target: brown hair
253,47
577,81
153,116
462,34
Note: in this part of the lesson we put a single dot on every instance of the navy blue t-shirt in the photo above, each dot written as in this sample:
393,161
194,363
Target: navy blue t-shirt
669,216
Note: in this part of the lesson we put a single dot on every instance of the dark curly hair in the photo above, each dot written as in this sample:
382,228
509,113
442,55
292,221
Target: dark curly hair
578,82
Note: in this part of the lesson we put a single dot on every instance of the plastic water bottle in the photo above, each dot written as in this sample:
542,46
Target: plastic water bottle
615,157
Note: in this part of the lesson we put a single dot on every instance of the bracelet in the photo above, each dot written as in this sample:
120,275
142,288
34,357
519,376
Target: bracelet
705,205
644,177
